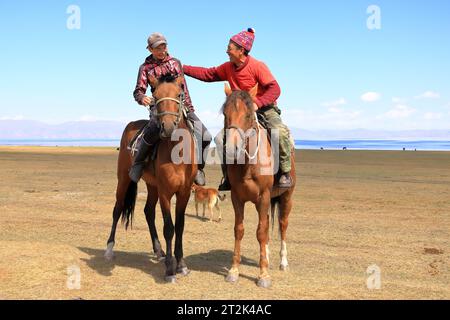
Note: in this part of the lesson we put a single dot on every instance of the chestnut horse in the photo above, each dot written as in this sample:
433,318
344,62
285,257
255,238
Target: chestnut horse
170,178
249,182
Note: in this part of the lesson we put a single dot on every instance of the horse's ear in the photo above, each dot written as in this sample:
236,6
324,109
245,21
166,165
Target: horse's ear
253,91
153,81
227,89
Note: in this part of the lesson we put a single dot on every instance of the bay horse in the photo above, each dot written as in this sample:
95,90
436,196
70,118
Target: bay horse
249,184
168,178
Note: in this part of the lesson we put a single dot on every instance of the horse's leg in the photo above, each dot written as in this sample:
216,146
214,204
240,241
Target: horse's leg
180,209
109,253
152,199
196,208
233,273
262,235
122,186
164,202
285,209
204,205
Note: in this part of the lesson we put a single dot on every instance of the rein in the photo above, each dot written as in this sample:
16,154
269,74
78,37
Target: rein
243,146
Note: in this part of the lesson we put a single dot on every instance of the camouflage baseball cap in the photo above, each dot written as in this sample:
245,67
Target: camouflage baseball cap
155,40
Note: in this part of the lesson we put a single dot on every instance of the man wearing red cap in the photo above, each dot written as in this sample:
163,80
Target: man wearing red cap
244,72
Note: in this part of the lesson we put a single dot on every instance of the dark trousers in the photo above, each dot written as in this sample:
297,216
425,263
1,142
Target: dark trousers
202,136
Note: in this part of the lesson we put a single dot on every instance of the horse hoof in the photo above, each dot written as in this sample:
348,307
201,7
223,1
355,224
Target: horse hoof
232,278
284,267
109,255
264,283
170,279
183,271
160,255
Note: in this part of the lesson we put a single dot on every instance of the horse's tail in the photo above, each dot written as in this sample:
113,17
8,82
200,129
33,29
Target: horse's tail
128,205
275,206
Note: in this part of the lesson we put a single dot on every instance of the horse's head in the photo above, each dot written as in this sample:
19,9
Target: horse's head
169,105
239,115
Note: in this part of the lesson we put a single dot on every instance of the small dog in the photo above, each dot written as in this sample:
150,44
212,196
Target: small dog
207,196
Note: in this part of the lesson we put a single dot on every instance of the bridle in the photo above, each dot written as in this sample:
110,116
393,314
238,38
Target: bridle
181,109
244,136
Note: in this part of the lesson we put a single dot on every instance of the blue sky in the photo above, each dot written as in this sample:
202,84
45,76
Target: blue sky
334,72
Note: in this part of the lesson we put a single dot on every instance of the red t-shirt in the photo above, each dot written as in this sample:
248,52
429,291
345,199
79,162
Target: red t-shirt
244,77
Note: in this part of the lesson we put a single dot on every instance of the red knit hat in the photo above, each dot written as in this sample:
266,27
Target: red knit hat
245,39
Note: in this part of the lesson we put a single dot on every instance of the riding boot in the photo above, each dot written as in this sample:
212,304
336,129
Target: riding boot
221,150
139,161
225,184
203,139
151,136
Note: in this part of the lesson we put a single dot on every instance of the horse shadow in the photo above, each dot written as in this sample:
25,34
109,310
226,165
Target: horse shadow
143,261
218,262
214,261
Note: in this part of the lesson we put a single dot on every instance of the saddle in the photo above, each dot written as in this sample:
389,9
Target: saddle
135,142
263,121
265,125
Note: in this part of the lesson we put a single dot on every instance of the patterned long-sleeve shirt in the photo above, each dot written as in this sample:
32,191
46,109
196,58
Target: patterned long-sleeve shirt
153,67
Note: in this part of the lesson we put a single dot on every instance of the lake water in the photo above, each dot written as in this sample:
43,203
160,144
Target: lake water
373,145
433,145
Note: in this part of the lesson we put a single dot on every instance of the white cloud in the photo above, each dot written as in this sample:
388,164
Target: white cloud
89,118
213,120
292,117
398,100
429,95
333,104
334,110
399,111
353,115
432,116
17,117
332,119
370,97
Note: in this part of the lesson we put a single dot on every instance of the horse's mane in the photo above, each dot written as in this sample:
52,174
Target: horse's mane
241,95
167,78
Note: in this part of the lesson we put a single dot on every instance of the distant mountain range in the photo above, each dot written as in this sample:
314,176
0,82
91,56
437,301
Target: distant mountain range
362,134
28,129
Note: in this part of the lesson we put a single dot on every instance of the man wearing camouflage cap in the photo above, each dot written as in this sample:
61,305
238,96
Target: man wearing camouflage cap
160,64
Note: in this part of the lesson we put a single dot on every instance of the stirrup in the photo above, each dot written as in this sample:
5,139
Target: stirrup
224,185
284,184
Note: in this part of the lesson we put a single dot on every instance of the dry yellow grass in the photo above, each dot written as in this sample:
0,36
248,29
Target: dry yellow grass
352,209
